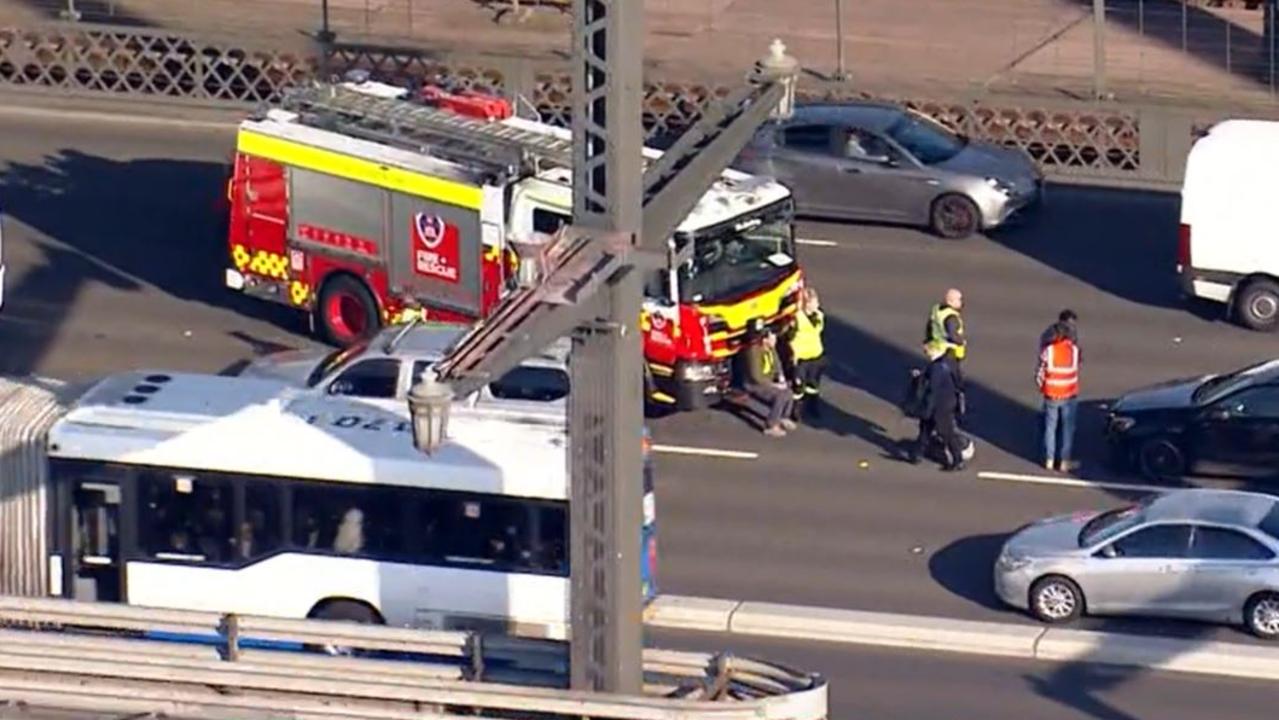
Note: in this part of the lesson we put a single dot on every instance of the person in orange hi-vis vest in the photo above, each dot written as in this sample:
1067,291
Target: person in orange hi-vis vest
1058,380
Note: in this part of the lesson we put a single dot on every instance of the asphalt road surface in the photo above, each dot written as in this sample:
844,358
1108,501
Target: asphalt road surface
880,684
116,264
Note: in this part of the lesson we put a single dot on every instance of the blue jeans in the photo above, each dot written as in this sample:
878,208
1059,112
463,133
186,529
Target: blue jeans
1059,412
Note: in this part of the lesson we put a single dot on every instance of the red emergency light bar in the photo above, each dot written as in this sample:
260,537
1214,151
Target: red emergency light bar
468,102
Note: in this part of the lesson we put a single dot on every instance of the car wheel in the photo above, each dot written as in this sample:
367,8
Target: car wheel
955,217
1257,305
345,611
1261,615
347,312
1161,459
1056,599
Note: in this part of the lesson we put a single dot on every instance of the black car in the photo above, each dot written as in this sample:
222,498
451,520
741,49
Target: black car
1213,425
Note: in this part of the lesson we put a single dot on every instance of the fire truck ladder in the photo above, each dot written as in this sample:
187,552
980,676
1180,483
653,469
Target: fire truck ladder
418,127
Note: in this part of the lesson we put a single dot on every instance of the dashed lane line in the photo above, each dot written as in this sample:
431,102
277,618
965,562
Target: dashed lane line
1073,482
816,243
705,452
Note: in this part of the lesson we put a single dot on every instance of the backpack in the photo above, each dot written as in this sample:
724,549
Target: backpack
914,403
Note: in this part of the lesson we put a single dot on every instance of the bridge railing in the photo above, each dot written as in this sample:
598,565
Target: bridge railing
113,658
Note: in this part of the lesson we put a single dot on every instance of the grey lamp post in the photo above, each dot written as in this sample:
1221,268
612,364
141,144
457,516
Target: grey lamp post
429,403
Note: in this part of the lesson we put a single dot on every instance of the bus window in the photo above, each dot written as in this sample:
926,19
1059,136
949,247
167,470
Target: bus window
259,533
185,517
347,521
515,535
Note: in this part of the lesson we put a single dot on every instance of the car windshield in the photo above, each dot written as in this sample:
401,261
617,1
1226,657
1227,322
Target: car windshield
335,360
1224,384
926,139
1109,524
737,258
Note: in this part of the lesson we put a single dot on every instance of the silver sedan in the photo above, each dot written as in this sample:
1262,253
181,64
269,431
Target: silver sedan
882,162
1194,554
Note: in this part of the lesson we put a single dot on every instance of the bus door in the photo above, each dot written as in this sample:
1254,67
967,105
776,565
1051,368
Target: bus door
95,567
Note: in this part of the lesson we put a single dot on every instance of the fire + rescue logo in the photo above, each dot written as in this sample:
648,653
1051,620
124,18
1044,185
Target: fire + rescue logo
435,247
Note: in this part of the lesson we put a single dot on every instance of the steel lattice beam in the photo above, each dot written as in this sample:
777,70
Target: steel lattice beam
674,184
606,405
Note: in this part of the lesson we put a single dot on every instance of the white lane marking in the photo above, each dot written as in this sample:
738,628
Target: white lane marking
1073,482
707,452
816,243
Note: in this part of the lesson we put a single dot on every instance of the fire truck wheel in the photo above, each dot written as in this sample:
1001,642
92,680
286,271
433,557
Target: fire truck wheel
347,311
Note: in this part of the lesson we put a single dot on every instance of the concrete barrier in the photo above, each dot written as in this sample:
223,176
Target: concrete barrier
885,629
680,612
1160,653
915,632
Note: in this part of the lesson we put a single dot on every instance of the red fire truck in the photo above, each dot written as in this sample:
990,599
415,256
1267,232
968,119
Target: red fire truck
362,206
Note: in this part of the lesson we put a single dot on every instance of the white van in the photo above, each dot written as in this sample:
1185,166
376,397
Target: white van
1226,249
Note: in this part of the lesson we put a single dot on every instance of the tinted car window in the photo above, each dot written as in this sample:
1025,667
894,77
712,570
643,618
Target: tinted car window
532,383
1160,541
377,378
1260,402
807,138
1223,544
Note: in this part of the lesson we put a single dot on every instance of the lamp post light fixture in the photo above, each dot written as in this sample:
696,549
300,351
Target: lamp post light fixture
777,65
429,403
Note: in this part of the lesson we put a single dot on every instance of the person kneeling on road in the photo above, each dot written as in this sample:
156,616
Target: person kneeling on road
765,380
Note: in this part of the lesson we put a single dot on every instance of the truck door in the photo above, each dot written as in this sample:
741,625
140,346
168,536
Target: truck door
436,253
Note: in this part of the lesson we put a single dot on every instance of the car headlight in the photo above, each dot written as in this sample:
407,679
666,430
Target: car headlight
1008,562
1122,423
697,372
1000,185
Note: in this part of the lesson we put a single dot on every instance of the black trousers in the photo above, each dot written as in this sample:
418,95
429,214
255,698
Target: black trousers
808,376
944,425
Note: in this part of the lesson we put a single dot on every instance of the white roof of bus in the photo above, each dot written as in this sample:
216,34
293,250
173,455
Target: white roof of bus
732,195
263,427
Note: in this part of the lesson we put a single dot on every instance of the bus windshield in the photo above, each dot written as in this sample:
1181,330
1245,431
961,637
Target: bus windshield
739,256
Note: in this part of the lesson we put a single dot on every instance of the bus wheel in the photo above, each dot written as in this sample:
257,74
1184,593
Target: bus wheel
343,611
347,312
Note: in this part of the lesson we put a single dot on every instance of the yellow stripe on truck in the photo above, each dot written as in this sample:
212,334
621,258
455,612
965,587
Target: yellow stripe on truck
352,168
766,304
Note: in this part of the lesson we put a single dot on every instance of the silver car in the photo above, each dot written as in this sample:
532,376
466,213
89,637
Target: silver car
881,162
381,370
1194,554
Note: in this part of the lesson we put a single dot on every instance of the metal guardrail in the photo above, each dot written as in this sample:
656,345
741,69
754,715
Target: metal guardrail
107,658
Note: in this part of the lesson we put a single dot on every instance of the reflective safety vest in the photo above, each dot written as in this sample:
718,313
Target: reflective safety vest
937,340
807,343
767,362
1059,370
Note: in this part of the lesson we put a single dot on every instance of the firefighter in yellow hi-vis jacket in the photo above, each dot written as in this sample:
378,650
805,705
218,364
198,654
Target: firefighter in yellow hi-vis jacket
808,355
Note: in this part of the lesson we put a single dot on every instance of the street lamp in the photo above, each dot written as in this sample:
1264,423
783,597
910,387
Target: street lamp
779,66
429,403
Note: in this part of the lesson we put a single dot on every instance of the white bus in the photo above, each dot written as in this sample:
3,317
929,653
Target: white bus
238,495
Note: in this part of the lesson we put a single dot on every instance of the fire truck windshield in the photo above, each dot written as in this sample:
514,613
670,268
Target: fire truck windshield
738,257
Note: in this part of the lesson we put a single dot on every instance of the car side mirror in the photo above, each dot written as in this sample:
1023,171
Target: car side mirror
1109,551
1220,414
340,387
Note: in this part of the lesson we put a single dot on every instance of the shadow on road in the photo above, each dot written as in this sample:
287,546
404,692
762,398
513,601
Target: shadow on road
953,566
1074,233
128,224
882,370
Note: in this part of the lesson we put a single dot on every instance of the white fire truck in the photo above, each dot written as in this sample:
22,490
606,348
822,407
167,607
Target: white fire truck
360,205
